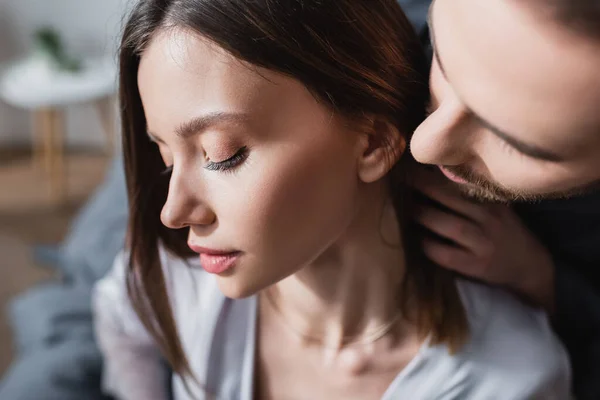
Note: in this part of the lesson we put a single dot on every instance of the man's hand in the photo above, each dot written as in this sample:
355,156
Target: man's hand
489,243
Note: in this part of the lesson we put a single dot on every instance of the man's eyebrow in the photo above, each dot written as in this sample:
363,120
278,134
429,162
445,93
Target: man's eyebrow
199,124
525,148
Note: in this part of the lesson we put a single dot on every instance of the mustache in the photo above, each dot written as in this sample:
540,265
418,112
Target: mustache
485,189
468,175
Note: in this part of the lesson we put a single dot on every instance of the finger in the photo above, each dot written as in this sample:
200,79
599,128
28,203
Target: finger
452,199
449,257
460,230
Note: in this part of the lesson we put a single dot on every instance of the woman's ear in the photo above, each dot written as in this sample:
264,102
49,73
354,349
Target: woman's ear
382,147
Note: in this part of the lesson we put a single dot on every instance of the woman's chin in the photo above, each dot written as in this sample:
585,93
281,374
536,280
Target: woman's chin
235,287
245,280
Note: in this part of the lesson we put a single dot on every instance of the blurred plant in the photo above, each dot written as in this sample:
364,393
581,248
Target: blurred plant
48,42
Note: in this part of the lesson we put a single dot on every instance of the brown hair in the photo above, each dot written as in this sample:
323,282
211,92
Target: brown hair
360,58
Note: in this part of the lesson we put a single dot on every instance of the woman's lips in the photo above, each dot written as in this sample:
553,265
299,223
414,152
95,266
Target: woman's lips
216,261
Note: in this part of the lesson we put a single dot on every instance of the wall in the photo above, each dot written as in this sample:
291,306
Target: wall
87,26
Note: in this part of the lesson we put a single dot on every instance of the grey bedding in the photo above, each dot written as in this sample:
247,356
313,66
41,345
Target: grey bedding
52,324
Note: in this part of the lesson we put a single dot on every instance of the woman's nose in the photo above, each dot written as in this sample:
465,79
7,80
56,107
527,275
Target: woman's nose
185,205
444,138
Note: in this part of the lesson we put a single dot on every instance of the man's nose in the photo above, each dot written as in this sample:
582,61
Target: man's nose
446,136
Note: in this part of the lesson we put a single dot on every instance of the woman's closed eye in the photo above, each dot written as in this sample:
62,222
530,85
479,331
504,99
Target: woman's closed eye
225,165
230,163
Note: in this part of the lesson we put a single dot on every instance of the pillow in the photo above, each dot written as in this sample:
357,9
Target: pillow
50,313
98,232
65,371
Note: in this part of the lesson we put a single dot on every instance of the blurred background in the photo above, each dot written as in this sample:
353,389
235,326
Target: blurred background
58,138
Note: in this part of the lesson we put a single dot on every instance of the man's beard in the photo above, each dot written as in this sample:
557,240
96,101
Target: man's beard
484,190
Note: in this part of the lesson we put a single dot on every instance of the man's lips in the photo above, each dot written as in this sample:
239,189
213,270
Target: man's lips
453,177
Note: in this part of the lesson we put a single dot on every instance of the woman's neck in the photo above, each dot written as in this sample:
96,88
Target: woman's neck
351,291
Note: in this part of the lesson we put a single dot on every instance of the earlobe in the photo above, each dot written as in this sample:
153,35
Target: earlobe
384,146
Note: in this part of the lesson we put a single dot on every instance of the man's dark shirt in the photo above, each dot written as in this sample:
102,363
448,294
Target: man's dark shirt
570,229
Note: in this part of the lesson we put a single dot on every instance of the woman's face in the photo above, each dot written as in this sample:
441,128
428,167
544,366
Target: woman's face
259,166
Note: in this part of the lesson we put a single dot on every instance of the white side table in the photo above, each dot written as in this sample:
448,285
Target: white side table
46,92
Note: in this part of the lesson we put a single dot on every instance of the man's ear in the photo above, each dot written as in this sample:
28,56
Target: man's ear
382,147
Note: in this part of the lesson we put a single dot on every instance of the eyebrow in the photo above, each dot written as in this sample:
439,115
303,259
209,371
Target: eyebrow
525,148
200,124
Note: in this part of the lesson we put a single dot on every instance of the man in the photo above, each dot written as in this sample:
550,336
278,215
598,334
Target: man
515,116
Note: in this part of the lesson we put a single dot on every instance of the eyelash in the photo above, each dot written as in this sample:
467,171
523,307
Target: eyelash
511,150
230,163
222,166
167,171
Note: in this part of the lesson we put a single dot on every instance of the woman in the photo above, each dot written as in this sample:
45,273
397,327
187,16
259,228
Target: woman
269,255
